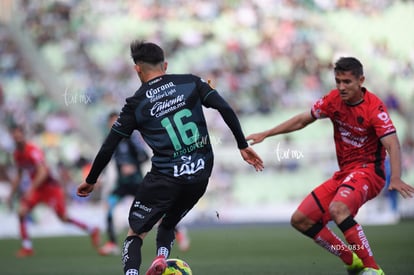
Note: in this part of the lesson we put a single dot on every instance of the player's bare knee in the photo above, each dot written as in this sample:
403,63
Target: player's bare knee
298,220
23,212
338,211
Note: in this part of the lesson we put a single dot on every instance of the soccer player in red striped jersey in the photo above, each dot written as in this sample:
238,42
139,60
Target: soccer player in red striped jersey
43,189
363,134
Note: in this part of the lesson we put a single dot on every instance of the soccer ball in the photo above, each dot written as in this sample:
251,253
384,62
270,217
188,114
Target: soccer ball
177,267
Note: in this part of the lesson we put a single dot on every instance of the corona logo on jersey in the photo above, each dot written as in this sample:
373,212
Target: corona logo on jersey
153,92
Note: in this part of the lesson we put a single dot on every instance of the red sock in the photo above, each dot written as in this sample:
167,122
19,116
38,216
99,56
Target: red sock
331,242
355,236
23,229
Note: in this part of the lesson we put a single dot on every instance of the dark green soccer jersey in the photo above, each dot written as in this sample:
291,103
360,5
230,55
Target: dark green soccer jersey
168,112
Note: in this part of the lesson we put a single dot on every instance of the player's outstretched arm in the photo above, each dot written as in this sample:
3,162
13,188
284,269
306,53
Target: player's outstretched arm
101,160
295,123
257,137
252,158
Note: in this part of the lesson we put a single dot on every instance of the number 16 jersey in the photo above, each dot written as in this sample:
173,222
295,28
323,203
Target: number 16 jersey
168,112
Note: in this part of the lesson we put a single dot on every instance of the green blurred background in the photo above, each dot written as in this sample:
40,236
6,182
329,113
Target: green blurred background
65,65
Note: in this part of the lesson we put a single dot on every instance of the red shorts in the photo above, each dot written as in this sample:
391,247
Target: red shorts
353,188
50,194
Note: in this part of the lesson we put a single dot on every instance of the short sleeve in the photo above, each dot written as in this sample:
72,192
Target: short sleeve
319,108
381,121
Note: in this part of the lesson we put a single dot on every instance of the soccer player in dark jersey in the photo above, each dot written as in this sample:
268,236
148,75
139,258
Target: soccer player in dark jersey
129,156
168,112
363,133
43,189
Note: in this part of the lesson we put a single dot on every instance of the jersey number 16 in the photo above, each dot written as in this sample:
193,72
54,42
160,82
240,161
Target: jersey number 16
187,131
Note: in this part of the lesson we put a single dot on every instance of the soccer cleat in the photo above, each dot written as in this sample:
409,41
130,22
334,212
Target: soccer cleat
183,241
158,266
110,248
95,237
372,271
24,252
356,265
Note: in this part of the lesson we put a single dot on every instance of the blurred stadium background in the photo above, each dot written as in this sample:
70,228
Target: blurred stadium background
65,65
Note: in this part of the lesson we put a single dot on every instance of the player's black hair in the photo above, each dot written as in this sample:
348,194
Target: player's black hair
346,64
146,52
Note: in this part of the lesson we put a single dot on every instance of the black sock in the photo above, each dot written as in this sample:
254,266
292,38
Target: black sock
347,223
110,228
131,255
315,229
165,239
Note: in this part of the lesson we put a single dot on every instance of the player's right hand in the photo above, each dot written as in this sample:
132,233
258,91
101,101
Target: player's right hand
252,158
406,190
84,189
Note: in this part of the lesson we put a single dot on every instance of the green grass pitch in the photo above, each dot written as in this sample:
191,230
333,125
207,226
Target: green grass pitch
232,249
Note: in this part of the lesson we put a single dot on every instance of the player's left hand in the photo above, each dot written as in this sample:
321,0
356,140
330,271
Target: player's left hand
252,158
84,189
407,191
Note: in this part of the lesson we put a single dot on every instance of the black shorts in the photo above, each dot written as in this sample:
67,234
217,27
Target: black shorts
159,196
126,189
